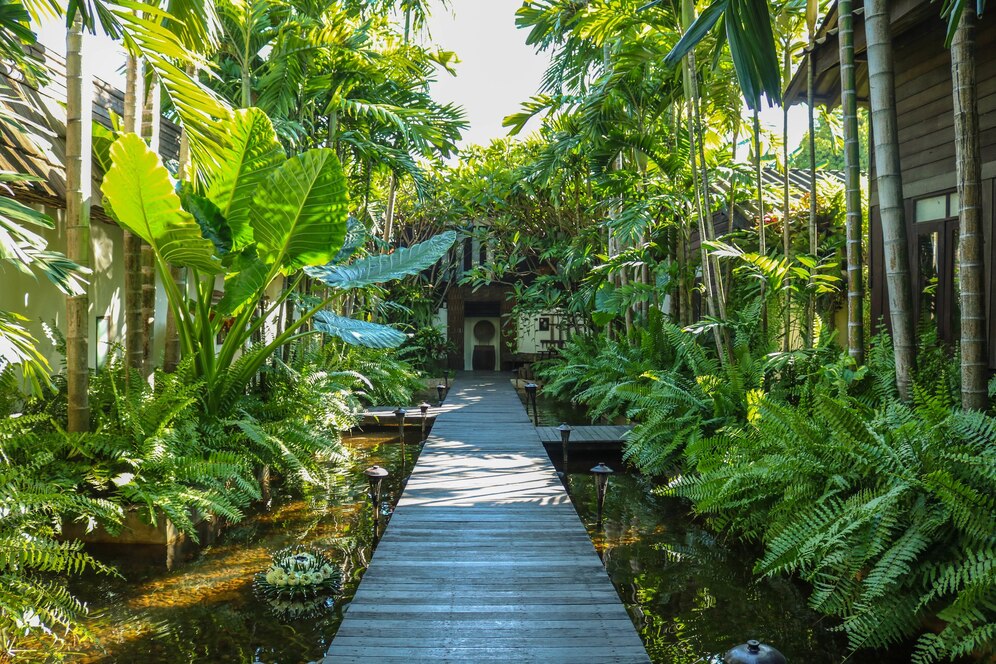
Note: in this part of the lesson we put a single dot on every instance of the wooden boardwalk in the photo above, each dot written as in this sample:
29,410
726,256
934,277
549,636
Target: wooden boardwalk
586,434
485,558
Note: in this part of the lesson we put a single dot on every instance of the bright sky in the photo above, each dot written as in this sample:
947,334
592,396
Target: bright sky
497,72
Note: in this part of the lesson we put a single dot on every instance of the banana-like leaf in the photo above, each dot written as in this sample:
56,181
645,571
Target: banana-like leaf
385,267
298,216
247,162
143,201
358,332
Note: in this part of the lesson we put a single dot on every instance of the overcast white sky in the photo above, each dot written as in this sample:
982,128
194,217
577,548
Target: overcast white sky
497,72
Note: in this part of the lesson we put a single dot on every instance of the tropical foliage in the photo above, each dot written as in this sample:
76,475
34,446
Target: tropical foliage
700,265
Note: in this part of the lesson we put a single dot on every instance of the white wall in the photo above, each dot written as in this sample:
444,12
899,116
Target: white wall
529,337
38,300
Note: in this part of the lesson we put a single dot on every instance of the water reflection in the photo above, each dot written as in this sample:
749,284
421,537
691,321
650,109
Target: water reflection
552,412
205,611
690,594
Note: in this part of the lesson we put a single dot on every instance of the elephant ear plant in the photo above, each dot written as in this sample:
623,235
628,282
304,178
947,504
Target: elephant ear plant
255,217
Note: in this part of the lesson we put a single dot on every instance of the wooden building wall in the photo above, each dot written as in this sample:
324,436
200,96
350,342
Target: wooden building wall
925,106
927,150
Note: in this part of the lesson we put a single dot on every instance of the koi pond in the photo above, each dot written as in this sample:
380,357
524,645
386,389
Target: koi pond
690,594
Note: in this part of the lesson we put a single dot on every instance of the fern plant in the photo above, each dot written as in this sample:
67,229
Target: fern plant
889,514
34,497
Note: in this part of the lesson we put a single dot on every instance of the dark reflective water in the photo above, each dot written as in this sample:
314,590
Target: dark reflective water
552,412
205,611
691,595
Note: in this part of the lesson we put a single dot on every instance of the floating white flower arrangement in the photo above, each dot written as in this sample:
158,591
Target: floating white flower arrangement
299,574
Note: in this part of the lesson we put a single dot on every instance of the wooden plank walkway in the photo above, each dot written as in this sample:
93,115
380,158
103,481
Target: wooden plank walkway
485,558
586,434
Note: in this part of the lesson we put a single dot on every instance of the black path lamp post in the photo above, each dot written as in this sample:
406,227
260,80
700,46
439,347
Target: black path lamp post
531,399
400,414
424,408
375,477
440,391
602,473
753,652
565,437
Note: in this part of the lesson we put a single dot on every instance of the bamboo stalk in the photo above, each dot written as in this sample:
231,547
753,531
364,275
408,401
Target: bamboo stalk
852,177
78,183
971,270
889,181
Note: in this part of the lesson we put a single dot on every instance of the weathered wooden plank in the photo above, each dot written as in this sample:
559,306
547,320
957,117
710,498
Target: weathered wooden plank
485,558
585,434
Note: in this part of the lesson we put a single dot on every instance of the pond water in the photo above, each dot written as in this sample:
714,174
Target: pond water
206,611
691,595
553,411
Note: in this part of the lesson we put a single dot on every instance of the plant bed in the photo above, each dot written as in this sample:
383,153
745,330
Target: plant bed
176,546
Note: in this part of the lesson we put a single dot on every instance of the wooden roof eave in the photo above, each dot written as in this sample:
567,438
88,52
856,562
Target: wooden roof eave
904,16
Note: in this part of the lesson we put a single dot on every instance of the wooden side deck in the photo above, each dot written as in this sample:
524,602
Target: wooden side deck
586,434
485,558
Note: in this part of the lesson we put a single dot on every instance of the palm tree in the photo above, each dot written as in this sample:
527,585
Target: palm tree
78,182
971,270
852,179
889,180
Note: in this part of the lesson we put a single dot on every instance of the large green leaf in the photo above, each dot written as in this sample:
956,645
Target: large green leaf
356,235
247,162
244,283
298,216
358,332
385,267
143,201
207,215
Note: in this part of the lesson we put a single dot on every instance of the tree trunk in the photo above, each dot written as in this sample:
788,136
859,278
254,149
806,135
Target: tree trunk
79,111
762,242
705,261
134,327
889,179
718,289
852,180
171,349
786,227
810,322
150,131
392,195
971,271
